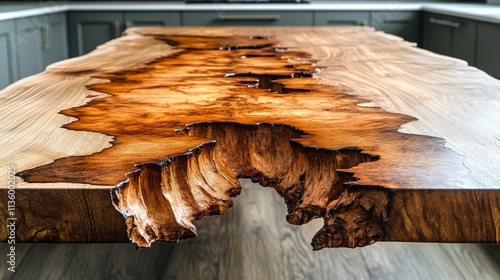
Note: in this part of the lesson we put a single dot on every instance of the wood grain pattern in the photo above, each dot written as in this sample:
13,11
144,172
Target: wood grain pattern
282,112
253,240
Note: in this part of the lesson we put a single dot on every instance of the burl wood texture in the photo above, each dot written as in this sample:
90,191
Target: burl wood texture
173,117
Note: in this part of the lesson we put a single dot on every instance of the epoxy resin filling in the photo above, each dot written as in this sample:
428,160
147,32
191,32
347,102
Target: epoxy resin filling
230,96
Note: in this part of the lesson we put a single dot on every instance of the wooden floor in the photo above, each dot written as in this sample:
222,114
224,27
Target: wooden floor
253,241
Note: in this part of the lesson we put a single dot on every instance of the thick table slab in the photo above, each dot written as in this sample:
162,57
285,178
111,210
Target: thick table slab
380,139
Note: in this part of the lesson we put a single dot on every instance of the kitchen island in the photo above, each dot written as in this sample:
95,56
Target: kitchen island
36,34
380,139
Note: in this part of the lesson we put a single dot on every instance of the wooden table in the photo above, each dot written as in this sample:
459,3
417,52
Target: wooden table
382,140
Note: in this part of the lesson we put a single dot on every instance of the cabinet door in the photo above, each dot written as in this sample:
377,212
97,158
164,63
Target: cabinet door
264,18
87,30
41,41
55,39
29,44
399,23
488,48
152,19
450,36
341,18
8,68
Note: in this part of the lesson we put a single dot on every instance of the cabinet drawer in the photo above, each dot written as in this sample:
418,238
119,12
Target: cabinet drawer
147,18
342,18
251,18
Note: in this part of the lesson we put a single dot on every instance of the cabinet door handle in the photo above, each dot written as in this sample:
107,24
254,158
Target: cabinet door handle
117,28
249,17
389,21
46,37
444,22
347,22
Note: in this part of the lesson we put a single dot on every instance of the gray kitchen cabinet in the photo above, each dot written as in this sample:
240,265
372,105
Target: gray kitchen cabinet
41,40
450,36
56,49
87,30
400,23
250,18
8,64
488,48
341,18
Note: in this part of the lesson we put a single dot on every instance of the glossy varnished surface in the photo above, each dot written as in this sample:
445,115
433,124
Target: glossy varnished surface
214,84
260,98
228,79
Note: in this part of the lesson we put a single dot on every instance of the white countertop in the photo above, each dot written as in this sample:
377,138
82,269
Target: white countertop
181,6
30,10
20,11
481,12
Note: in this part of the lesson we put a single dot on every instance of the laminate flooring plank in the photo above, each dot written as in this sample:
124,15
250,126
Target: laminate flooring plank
409,261
260,233
206,259
297,256
471,261
382,261
43,261
303,263
493,250
214,254
291,252
21,250
91,261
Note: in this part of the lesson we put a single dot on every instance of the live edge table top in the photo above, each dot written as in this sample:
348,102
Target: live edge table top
135,140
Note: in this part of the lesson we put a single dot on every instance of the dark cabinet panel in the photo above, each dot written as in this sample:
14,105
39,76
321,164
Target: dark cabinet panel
29,44
8,67
41,40
56,47
450,36
488,48
399,23
87,30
